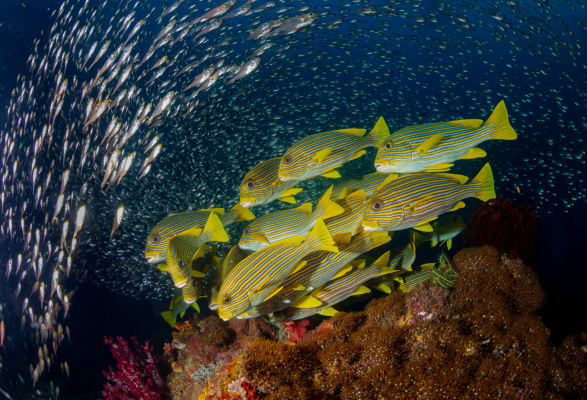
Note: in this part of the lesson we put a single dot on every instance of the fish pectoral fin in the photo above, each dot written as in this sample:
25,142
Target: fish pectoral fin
307,302
321,155
260,237
361,290
353,131
295,286
458,206
328,312
295,240
306,207
461,178
424,227
438,168
343,272
287,199
475,152
291,192
390,177
214,210
333,173
273,292
342,238
473,123
359,154
191,231
162,267
420,202
198,274
358,195
429,144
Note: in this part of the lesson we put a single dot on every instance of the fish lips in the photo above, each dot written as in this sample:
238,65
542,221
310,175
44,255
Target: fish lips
383,166
153,258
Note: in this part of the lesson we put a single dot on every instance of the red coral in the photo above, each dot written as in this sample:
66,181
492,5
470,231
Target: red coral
296,329
137,376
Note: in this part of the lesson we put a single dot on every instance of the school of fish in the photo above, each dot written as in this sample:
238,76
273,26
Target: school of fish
129,112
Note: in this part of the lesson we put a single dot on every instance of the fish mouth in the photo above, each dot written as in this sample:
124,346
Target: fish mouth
152,258
284,177
382,166
371,226
182,284
247,202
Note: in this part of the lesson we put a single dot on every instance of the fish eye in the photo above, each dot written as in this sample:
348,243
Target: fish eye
246,232
378,205
388,146
250,185
155,239
287,160
227,300
180,263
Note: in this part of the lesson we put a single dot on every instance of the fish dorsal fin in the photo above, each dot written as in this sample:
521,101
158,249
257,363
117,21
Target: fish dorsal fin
298,267
387,180
331,174
459,205
328,312
344,193
352,131
343,272
429,143
461,178
473,123
383,287
361,290
475,152
214,226
424,227
438,168
291,192
358,195
214,210
306,207
360,153
162,267
383,261
260,237
342,238
295,240
321,155
307,302
192,231
287,199
198,274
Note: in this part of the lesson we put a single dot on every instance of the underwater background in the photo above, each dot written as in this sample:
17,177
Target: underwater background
411,62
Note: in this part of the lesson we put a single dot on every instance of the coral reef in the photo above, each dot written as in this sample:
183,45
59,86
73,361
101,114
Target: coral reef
479,338
137,377
511,227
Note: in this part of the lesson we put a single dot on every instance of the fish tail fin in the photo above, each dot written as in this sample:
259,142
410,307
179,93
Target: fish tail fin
214,226
379,238
380,132
169,318
499,118
321,234
244,214
485,179
326,207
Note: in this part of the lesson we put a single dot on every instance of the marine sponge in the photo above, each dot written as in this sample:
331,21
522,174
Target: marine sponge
480,338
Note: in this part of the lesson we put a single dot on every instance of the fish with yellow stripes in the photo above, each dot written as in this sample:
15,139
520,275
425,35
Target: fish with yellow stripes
258,277
183,249
261,185
323,299
413,200
401,260
443,231
433,147
234,256
423,274
320,267
278,225
344,225
322,153
187,223
368,183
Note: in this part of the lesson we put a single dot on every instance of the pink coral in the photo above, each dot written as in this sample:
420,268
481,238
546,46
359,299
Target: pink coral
137,376
296,329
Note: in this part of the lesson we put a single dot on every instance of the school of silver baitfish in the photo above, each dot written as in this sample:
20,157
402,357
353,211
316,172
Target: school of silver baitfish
131,111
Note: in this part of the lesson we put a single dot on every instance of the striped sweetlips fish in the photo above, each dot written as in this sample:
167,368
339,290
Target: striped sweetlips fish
184,249
320,267
187,223
322,153
443,230
336,291
278,225
343,226
433,147
234,256
368,183
413,200
258,277
261,185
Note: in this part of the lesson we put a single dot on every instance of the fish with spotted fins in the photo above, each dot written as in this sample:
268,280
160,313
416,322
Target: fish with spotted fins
413,200
322,153
433,147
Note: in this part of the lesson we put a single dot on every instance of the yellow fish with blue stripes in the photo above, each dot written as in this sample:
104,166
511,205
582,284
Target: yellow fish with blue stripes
335,291
433,147
423,274
278,225
368,183
320,267
261,185
183,249
322,153
259,276
401,260
413,200
187,223
234,256
348,223
443,231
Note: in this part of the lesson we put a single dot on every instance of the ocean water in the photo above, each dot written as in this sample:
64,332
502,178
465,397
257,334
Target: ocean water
411,62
